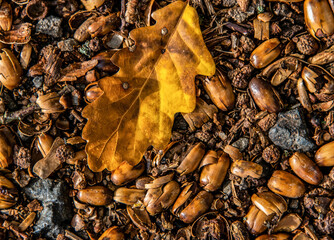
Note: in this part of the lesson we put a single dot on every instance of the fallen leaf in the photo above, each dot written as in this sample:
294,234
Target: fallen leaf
155,81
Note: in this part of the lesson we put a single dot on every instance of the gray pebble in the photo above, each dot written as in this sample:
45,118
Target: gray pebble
38,81
67,45
241,144
57,209
290,132
50,26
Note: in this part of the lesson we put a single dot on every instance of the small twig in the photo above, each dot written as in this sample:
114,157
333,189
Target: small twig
236,27
9,117
123,8
72,236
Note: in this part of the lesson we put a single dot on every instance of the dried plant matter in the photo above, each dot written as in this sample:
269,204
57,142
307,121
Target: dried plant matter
155,81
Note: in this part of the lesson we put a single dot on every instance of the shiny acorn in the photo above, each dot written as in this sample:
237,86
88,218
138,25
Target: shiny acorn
213,175
129,196
6,16
191,161
324,157
319,18
112,233
25,55
255,220
49,103
288,223
10,69
91,4
92,92
157,199
104,62
95,195
245,169
8,193
286,184
270,203
303,95
125,173
299,235
81,34
187,192
220,91
265,96
305,168
199,205
266,53
44,143
310,79
278,236
6,151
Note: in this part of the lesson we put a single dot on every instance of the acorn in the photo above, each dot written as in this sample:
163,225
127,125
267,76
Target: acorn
10,69
266,53
319,18
8,193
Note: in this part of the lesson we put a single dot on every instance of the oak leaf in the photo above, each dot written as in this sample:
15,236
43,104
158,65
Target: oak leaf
155,81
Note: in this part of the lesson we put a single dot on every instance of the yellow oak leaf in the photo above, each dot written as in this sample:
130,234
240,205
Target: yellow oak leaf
155,81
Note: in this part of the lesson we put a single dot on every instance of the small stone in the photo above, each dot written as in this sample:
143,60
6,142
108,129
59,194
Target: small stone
241,144
38,81
294,204
115,41
290,132
67,45
222,135
57,209
50,26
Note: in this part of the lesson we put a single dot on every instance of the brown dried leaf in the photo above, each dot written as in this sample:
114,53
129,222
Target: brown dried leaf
75,70
44,167
155,81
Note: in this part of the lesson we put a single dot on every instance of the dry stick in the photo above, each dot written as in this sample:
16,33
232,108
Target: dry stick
9,117
122,15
